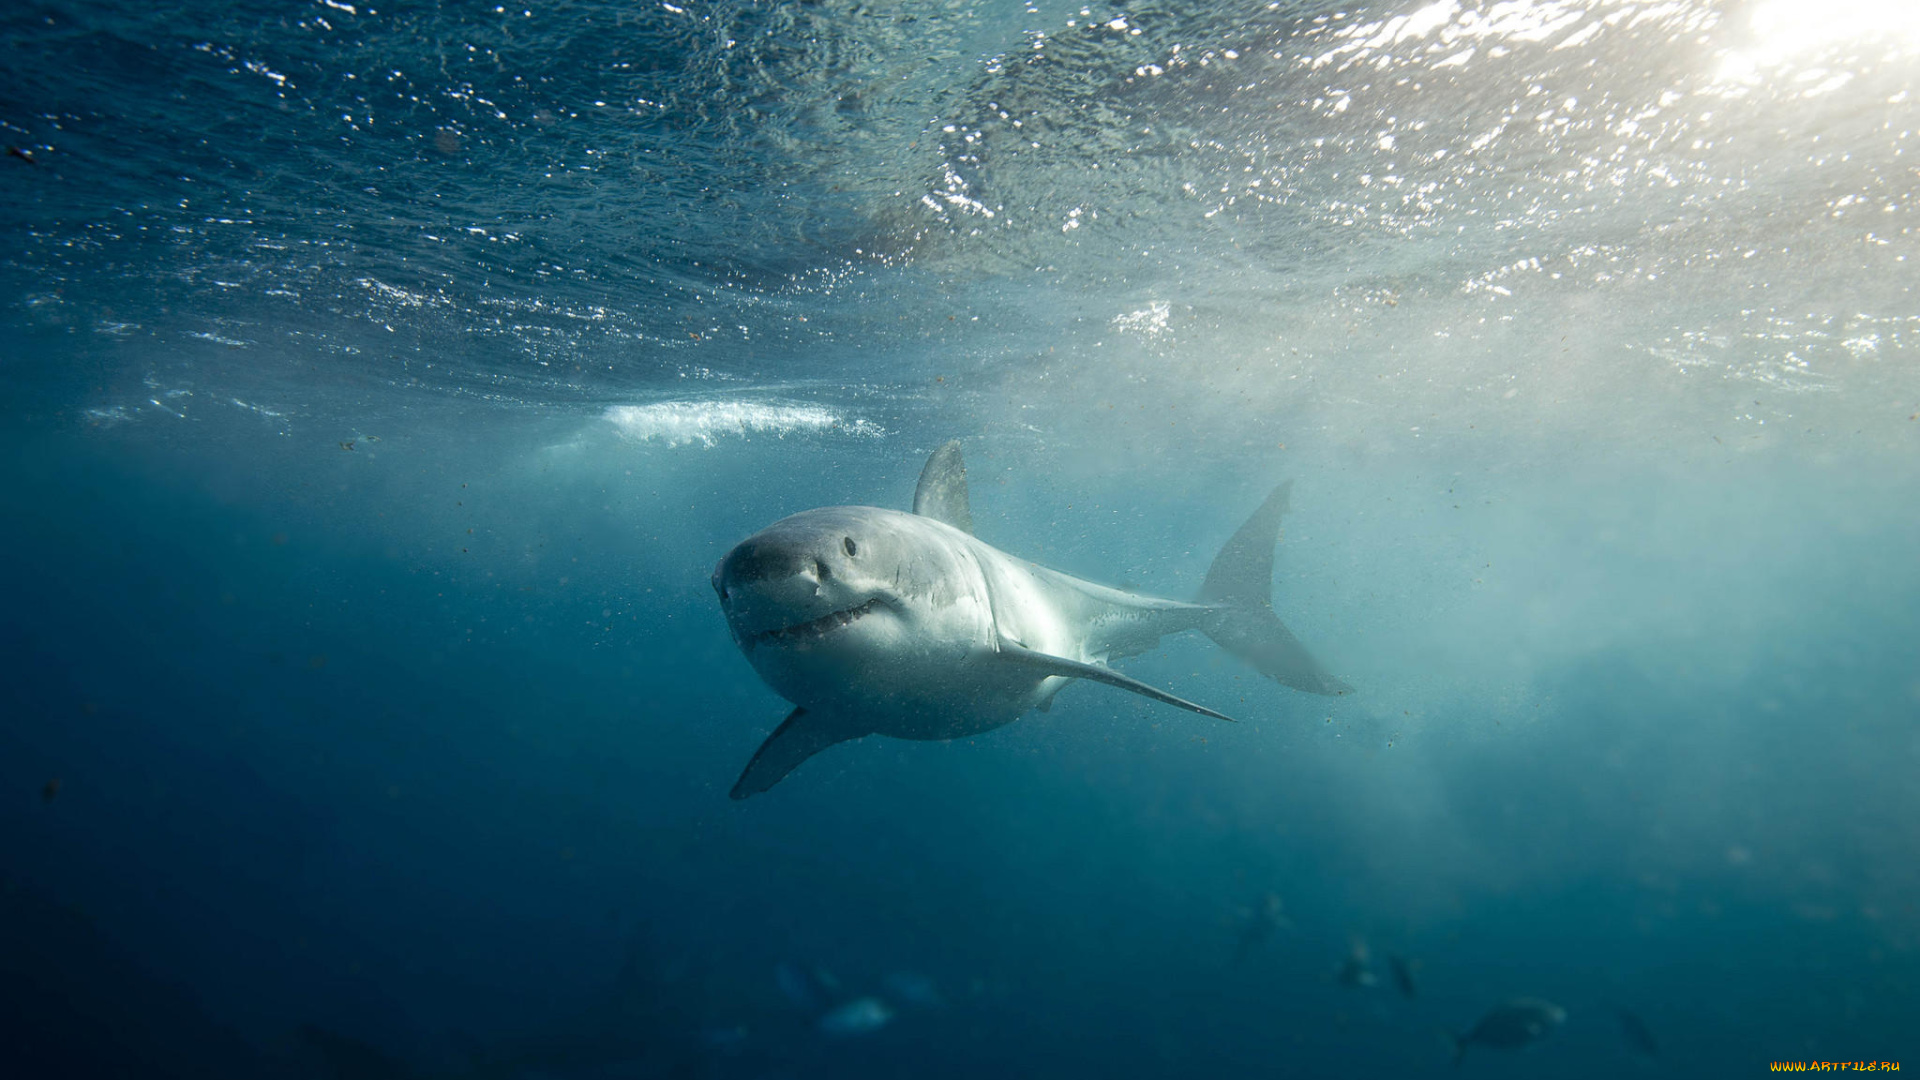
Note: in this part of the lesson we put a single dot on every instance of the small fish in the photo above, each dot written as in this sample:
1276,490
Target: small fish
348,445
861,1016
800,988
914,989
727,1039
50,790
1357,969
1509,1026
1634,1030
342,1055
1258,924
1402,969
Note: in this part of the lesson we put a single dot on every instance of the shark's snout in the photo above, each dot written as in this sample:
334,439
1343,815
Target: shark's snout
764,561
783,589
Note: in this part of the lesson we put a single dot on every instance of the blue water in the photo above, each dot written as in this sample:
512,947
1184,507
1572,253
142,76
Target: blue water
383,382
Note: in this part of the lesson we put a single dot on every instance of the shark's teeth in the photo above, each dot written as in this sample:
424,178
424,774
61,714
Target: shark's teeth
818,628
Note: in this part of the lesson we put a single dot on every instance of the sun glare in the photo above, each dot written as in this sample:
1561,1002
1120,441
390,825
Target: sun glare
1795,33
1781,28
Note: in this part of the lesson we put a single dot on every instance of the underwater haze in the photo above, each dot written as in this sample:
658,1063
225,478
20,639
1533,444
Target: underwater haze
384,379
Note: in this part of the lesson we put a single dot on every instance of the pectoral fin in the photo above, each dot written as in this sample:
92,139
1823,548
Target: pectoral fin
1074,669
799,737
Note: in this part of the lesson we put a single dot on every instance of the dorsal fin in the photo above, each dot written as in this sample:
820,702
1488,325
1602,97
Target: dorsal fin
942,492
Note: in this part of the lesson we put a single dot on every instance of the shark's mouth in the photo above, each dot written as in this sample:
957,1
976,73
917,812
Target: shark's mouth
815,629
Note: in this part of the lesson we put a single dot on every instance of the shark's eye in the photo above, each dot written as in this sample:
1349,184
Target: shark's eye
852,548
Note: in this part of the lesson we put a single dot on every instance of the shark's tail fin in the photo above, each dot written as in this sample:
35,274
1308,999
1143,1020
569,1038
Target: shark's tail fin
1239,586
1458,1044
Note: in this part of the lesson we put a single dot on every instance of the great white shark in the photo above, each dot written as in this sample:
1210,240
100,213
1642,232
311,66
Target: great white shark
880,622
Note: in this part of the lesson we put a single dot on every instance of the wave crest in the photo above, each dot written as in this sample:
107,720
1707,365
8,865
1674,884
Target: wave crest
681,423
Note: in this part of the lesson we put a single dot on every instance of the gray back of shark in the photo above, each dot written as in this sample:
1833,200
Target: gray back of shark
876,621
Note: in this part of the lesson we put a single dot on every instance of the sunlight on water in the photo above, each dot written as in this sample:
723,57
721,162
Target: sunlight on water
1787,26
1448,34
1801,37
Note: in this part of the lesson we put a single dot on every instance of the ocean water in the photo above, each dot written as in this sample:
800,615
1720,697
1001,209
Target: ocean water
384,380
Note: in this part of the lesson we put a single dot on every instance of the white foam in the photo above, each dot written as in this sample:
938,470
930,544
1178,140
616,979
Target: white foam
681,423
1149,321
